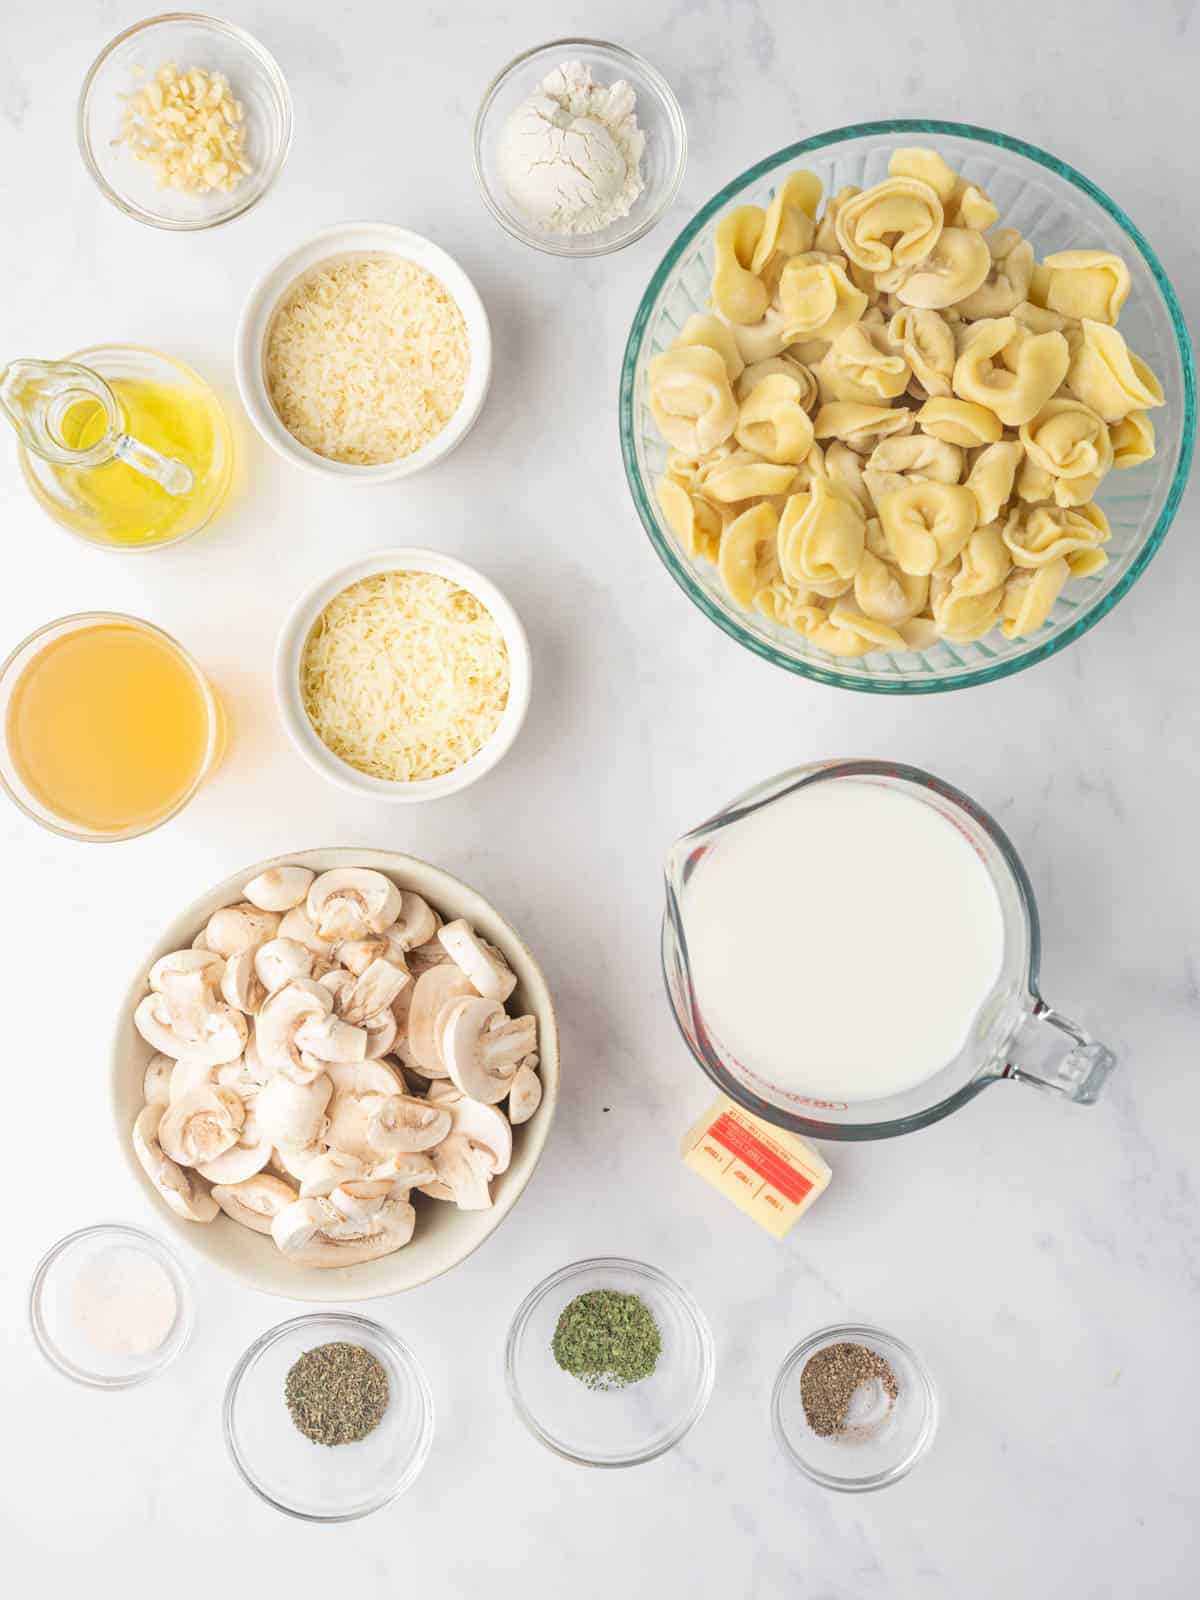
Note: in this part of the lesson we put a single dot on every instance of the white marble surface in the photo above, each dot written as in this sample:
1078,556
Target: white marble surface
1043,1258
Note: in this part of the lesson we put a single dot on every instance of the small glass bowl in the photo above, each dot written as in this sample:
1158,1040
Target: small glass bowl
52,1309
325,1483
616,1427
13,784
188,39
659,118
889,1444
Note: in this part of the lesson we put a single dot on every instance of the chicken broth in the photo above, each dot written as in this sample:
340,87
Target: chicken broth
108,727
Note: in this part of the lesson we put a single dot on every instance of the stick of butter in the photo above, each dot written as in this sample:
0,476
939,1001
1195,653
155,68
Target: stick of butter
768,1173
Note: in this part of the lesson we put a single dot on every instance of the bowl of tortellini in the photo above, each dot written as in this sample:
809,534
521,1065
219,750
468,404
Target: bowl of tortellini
908,407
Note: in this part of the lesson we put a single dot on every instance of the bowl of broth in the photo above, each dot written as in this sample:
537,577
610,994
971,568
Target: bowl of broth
110,727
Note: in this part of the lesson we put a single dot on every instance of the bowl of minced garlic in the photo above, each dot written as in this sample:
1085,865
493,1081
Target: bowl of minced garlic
365,354
403,677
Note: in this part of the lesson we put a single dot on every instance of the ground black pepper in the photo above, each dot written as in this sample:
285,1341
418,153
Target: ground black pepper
833,1376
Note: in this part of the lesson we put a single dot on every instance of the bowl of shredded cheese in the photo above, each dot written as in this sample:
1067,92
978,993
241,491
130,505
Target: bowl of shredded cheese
404,676
365,354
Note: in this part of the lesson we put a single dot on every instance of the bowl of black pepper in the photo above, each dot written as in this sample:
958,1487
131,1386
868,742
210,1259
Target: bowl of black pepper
328,1417
854,1408
609,1362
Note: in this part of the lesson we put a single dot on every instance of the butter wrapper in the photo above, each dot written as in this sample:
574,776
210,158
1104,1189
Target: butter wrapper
770,1174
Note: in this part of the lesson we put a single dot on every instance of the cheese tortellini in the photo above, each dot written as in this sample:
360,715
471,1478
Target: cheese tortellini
889,428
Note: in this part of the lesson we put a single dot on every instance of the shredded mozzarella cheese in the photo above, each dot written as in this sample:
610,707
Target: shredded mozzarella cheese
367,359
405,676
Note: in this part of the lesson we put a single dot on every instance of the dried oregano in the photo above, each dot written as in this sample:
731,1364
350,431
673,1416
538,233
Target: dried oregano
337,1393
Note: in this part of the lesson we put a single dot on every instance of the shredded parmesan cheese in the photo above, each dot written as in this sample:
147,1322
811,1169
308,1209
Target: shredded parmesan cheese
367,359
405,676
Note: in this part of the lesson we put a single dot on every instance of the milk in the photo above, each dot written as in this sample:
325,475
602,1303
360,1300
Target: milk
842,940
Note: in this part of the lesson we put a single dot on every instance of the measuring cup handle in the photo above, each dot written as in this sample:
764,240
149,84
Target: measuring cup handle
1036,1054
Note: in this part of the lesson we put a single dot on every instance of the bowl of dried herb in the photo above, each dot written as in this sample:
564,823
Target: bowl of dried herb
328,1417
609,1362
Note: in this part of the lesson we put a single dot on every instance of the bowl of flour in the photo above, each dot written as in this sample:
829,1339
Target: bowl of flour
580,147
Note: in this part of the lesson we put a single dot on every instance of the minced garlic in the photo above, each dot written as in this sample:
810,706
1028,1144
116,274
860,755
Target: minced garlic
190,128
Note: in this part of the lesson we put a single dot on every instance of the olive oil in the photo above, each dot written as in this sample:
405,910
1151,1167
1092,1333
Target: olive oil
125,507
109,727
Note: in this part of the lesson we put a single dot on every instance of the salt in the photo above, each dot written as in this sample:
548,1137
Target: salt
123,1302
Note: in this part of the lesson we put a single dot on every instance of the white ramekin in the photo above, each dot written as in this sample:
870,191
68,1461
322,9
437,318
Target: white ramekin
290,650
357,238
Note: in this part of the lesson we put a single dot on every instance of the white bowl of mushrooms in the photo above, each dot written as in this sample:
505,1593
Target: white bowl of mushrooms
335,1072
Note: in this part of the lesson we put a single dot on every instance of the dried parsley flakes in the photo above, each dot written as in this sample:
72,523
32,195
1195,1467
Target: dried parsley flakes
607,1339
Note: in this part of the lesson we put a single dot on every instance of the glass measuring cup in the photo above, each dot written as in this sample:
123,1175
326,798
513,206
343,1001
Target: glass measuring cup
1015,1034
120,444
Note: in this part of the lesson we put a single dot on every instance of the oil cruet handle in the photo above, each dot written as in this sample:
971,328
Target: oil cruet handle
1050,1051
171,475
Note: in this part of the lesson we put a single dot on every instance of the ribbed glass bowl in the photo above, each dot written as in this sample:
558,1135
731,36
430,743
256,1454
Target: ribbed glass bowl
1055,207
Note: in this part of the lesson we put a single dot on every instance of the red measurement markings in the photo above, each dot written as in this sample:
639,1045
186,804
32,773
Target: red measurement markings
760,1158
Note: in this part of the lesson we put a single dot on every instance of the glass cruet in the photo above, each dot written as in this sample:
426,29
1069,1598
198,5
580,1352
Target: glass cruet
123,446
1016,1036
42,397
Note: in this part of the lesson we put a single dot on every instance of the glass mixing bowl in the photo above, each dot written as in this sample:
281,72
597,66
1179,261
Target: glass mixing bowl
1055,207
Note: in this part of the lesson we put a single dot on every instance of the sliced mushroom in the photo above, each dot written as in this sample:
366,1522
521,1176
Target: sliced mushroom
365,1077
405,1170
184,1194
296,925
296,1160
432,953
382,1032
279,1023
255,1201
486,1128
233,929
402,1123
202,1125
188,1076
328,1038
223,1039
359,1199
432,992
313,1233
377,987
461,1174
244,1079
188,980
241,987
483,1048
279,888
280,961
292,1114
351,903
243,1160
325,1172
156,1083
482,962
525,1095
416,923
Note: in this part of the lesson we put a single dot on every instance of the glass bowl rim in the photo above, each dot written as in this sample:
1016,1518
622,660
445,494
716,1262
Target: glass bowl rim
862,1333
399,1352
211,704
253,48
676,1292
818,671
150,1244
549,244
